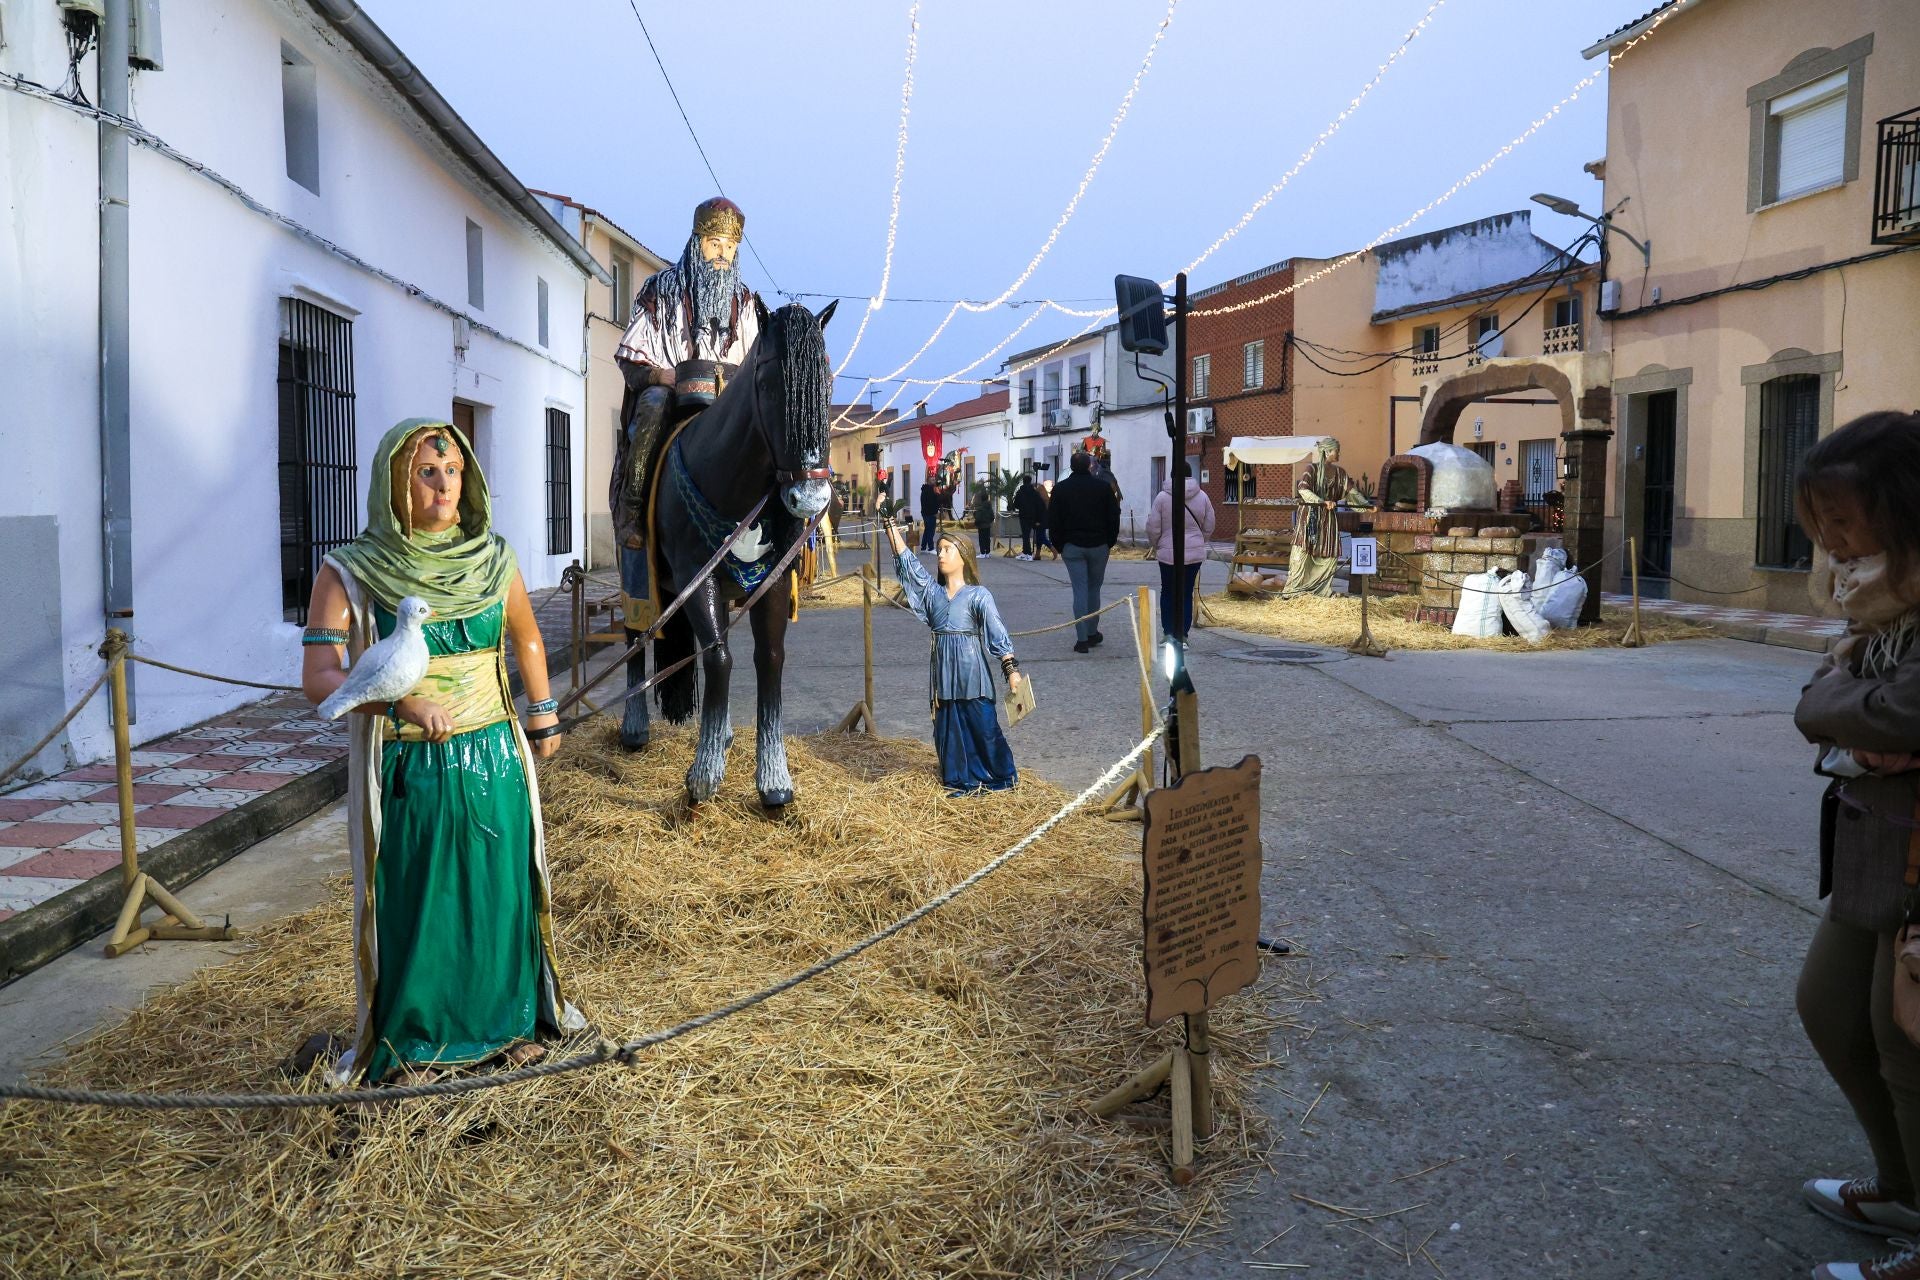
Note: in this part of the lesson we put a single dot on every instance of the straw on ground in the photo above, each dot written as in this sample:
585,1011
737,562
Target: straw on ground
921,1111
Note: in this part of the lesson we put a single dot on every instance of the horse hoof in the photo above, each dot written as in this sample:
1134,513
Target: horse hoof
775,801
635,742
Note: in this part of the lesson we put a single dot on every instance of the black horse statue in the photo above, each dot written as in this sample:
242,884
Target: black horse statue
766,434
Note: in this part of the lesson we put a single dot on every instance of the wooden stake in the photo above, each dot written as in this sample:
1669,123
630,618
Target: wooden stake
1366,646
178,922
1143,628
1200,1055
1633,640
116,648
867,583
1141,1084
1182,1077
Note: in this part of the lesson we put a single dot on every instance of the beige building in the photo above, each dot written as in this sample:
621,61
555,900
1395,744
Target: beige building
1373,339
852,473
629,263
1755,148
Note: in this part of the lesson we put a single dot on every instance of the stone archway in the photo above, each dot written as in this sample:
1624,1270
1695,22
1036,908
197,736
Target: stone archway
1581,384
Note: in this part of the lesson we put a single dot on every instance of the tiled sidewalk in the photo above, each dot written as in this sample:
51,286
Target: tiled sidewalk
62,830
1793,630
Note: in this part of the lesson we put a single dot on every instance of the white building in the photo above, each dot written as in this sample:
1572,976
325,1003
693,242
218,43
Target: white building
1089,386
319,247
977,427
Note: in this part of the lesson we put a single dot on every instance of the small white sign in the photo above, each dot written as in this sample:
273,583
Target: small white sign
1346,546
1366,556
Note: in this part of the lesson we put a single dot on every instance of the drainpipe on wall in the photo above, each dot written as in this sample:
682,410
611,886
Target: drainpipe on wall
116,465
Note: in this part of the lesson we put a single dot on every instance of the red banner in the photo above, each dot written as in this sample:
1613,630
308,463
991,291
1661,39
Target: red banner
930,445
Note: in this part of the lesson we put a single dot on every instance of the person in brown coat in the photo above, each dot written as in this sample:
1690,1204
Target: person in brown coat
1857,494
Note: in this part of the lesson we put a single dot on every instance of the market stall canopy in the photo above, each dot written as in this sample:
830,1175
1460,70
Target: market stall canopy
1268,451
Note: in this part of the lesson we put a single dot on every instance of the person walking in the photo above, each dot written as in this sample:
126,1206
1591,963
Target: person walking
1856,494
929,512
1084,524
1176,600
1031,507
983,517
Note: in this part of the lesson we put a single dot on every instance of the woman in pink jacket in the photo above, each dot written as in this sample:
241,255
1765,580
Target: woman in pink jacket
1176,605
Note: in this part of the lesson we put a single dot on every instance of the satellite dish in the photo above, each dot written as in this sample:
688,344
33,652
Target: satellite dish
1491,344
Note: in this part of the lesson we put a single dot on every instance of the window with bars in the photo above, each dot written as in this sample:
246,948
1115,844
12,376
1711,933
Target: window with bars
1253,365
1789,425
319,478
1202,368
559,483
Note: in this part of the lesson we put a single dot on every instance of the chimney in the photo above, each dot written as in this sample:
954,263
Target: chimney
920,409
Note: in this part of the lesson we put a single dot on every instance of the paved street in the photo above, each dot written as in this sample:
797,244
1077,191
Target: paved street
1553,906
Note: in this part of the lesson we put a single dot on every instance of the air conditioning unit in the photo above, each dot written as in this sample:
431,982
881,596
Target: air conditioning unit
1060,419
1200,421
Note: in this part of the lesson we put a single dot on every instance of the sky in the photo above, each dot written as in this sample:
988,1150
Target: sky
797,107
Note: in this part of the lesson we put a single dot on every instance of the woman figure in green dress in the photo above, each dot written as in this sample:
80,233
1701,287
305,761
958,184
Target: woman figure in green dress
452,929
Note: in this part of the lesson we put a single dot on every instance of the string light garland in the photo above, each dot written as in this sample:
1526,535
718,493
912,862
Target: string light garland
1333,127
1094,316
1584,83
1332,266
899,170
1046,247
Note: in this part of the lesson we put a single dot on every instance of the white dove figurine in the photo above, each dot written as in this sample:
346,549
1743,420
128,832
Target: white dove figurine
389,669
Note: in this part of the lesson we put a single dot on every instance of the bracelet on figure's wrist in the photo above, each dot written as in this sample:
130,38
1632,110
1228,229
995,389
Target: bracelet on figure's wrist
393,714
541,735
544,707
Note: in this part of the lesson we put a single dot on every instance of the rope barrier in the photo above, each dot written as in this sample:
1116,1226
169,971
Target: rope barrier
54,732
208,675
605,1050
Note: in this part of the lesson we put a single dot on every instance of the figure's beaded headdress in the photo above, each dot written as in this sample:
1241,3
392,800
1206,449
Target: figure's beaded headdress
719,217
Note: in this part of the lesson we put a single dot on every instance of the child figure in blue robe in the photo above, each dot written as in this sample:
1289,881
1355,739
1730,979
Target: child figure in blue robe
968,637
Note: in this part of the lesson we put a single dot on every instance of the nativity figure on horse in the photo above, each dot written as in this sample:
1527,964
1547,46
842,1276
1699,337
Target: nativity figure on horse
723,444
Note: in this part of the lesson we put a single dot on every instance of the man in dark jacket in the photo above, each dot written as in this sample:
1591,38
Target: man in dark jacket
930,504
1031,506
1084,523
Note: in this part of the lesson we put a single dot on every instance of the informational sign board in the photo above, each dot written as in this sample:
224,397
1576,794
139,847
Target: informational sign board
1366,556
1201,852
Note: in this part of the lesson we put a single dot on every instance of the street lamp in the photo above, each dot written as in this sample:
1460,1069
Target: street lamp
1560,204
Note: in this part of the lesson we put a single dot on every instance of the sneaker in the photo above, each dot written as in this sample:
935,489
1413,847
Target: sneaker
1904,1265
1860,1204
1081,646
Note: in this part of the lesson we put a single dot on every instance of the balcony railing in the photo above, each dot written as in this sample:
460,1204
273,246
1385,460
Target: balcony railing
1425,362
1896,180
1080,393
1026,402
1561,337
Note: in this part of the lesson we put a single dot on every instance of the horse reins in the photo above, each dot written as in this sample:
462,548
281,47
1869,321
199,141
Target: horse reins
673,606
778,572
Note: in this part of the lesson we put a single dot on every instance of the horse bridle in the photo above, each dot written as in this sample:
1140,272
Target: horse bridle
787,475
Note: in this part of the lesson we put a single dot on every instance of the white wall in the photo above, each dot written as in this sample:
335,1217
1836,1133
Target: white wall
207,278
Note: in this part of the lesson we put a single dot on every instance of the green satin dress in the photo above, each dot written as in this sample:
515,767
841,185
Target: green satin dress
460,947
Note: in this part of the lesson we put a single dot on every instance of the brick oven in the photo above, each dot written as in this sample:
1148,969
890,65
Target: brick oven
1429,555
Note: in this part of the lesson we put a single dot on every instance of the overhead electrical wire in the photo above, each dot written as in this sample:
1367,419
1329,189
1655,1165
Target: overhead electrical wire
1568,263
875,300
717,184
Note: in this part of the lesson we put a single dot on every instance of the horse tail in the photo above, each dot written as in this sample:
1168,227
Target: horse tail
675,692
